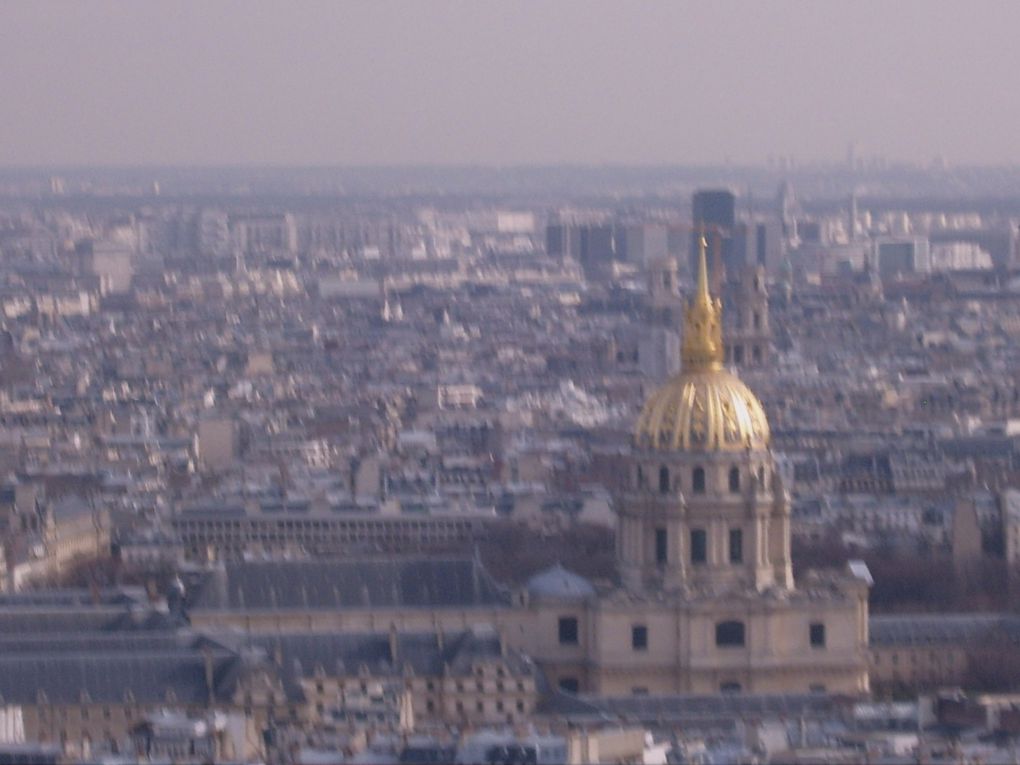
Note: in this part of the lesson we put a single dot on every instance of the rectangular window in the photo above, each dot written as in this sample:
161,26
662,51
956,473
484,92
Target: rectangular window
639,637
661,550
730,634
817,635
568,630
699,546
736,546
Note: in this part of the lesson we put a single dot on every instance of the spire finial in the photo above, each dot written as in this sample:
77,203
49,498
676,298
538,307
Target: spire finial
702,342
703,295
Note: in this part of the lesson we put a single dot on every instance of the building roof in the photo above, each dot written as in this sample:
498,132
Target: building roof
350,584
936,629
721,710
423,653
150,677
557,582
184,667
81,611
114,596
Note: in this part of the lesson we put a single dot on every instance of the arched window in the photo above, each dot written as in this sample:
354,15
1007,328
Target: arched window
698,480
761,477
729,634
640,477
734,479
664,480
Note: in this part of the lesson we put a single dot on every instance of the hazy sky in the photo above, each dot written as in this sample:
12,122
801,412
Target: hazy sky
424,81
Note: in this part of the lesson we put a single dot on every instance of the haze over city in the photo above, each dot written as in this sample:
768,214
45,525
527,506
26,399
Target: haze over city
322,83
509,383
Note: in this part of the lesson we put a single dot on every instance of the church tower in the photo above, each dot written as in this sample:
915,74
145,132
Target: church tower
749,337
663,296
708,603
705,510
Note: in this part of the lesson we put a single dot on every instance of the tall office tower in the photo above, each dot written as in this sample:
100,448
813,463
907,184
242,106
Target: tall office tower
562,240
851,224
786,204
715,211
717,206
595,245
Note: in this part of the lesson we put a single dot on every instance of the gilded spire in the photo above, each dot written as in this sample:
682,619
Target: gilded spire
702,342
703,295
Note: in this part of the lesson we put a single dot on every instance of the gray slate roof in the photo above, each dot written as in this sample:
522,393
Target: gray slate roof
149,676
421,652
70,614
106,668
348,584
936,629
697,712
65,598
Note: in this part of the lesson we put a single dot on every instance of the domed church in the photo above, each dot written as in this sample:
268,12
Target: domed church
705,511
707,602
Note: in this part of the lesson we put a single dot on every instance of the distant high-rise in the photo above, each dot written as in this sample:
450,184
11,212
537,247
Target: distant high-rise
786,203
851,227
595,245
716,211
715,206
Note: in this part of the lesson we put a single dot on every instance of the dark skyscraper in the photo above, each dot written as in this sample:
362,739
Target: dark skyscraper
595,246
715,209
717,206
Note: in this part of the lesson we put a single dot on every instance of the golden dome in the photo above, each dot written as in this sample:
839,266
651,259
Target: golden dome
703,411
704,408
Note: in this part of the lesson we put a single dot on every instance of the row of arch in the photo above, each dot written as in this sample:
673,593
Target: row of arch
698,479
